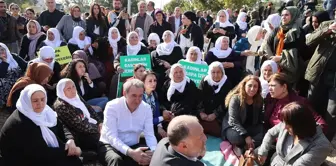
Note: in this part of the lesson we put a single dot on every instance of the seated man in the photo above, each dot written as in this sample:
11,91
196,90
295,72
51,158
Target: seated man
186,141
125,119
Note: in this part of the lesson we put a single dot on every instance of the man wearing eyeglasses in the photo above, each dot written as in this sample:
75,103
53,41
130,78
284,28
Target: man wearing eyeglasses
50,18
9,33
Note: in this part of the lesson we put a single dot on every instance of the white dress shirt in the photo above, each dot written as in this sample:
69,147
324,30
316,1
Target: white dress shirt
121,128
177,24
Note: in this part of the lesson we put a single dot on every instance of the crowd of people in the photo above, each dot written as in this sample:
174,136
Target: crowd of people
270,84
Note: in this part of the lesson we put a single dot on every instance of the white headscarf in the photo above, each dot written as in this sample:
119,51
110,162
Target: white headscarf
217,50
199,55
76,101
264,83
176,86
46,52
242,24
133,50
57,38
114,42
140,33
209,79
154,36
251,36
227,22
45,119
274,20
80,43
166,48
10,60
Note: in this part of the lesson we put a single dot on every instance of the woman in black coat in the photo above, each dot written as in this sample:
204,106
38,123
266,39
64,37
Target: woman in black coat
165,55
222,27
53,39
160,25
231,60
33,136
213,89
31,41
80,41
241,26
96,25
153,42
179,94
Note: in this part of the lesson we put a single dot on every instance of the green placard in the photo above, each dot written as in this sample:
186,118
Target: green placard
127,63
195,72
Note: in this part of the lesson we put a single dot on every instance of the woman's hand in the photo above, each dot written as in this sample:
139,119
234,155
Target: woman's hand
166,65
222,31
262,159
215,30
211,117
3,59
95,45
167,115
71,147
86,48
120,70
100,126
203,116
249,142
276,59
162,133
227,65
86,76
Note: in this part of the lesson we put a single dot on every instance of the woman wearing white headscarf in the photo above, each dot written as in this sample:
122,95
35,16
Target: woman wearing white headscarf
153,41
32,135
80,41
77,115
241,26
12,67
141,34
268,68
194,55
31,41
214,87
273,21
53,39
222,27
255,38
134,47
232,61
179,94
165,55
47,56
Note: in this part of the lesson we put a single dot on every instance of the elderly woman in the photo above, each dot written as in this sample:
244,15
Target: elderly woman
194,55
68,22
32,135
140,33
53,39
268,68
222,27
165,55
213,90
298,140
153,41
31,40
79,41
37,73
231,61
242,125
77,115
134,47
177,91
12,67
241,26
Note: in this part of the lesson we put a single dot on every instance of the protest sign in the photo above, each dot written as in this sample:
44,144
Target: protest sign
62,55
195,72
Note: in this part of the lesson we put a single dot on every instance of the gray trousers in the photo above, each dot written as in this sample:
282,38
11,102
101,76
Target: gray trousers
256,132
13,47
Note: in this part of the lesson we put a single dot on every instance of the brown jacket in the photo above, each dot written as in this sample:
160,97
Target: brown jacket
9,32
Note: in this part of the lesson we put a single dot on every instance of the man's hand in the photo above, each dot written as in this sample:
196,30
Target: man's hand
139,155
211,117
203,116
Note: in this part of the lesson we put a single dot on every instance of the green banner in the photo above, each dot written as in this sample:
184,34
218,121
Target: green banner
127,63
195,72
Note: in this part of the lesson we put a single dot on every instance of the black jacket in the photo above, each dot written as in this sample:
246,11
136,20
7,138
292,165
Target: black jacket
50,19
25,46
165,155
230,32
21,143
196,35
159,29
4,66
90,27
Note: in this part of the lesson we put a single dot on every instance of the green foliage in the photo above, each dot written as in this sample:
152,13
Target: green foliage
22,3
185,5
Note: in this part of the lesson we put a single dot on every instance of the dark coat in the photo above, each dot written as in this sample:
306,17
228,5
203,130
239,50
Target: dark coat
50,19
8,30
171,21
25,46
230,32
159,29
196,35
21,143
4,66
90,27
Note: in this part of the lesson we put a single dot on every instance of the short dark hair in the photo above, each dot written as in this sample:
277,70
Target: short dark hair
30,9
300,117
151,2
282,79
136,67
146,74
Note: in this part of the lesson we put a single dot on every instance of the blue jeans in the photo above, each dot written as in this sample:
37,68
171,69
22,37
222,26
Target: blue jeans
330,6
101,102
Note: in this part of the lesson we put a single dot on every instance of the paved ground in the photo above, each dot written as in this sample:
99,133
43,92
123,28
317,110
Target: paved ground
331,160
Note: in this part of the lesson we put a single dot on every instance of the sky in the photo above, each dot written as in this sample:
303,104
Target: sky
160,3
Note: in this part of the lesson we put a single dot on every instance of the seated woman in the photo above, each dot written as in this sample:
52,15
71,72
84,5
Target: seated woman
280,94
213,90
138,73
153,41
179,94
194,55
77,115
47,56
53,39
231,61
165,55
242,125
268,68
79,41
140,33
37,73
133,47
86,88
32,135
31,41
298,140
241,27
160,113
117,42
12,67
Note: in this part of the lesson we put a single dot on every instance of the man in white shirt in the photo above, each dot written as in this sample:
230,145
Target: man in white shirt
176,20
125,119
